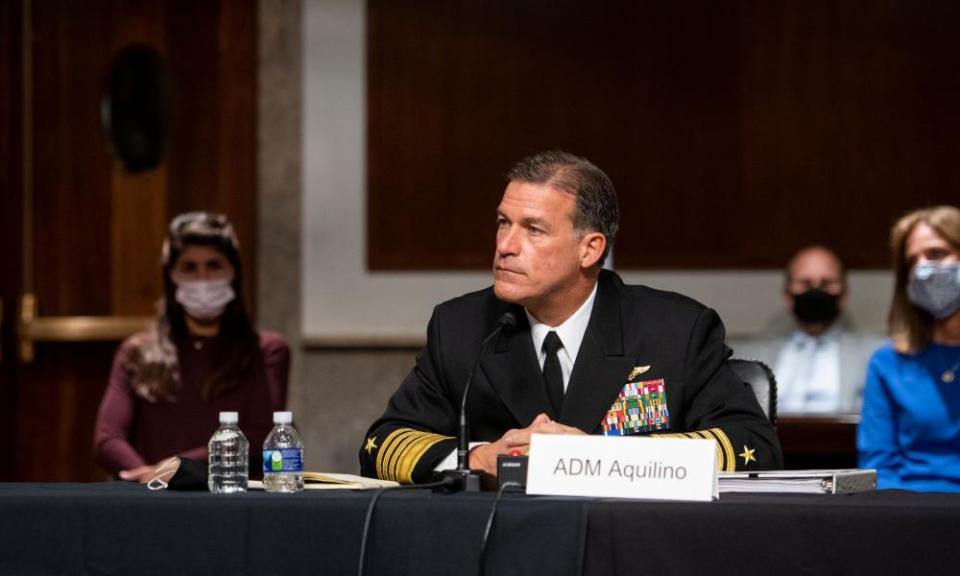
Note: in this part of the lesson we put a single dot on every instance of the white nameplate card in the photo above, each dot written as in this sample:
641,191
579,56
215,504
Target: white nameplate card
622,467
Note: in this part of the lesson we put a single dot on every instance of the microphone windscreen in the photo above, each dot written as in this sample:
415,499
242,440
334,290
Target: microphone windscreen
508,320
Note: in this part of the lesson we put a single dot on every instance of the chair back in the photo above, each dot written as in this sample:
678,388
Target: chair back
762,380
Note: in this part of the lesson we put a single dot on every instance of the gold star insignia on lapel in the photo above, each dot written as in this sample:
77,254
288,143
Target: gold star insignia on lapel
747,455
637,370
371,444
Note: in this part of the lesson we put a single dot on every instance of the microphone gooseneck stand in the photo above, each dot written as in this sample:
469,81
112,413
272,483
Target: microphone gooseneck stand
462,478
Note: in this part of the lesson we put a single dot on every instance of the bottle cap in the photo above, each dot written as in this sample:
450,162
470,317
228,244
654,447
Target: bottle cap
282,417
229,417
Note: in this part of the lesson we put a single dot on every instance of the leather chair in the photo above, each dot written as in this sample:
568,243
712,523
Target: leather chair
762,380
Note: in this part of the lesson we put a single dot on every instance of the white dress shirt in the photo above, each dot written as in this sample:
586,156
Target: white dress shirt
571,336
808,373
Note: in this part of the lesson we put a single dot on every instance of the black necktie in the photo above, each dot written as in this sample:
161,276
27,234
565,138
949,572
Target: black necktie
552,374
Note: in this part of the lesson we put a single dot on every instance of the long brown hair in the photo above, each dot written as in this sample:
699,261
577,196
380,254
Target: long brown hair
155,366
910,326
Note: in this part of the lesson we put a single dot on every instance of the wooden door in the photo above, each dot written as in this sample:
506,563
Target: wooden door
81,231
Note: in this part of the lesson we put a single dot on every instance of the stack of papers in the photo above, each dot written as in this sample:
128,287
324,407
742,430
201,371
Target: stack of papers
840,481
333,481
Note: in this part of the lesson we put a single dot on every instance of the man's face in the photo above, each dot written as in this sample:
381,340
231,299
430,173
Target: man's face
539,254
815,268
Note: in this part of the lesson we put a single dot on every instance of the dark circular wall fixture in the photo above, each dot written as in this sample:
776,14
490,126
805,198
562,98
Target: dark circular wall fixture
136,107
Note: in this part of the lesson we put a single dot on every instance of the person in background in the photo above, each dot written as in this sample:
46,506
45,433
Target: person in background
820,364
910,425
200,357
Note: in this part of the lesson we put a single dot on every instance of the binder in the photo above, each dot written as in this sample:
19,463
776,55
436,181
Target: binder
838,481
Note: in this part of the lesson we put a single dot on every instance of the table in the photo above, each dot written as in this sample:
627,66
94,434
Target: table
121,528
811,442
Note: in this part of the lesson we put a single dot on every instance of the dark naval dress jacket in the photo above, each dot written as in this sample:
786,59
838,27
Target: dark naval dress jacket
636,336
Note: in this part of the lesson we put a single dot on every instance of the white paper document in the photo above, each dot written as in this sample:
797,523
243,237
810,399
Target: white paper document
834,481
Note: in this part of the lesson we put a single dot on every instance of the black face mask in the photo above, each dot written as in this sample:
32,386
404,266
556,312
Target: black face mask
816,306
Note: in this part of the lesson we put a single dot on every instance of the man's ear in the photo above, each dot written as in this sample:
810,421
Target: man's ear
592,246
788,301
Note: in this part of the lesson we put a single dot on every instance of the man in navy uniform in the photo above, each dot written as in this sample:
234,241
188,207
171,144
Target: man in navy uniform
588,354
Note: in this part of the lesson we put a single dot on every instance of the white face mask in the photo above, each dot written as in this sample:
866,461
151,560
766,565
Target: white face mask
163,473
205,299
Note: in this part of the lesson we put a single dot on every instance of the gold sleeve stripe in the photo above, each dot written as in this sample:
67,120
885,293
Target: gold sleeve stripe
403,454
400,452
392,448
725,458
411,456
730,461
731,456
679,435
404,470
402,443
387,448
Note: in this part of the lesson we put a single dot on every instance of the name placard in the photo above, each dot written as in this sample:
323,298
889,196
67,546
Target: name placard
622,467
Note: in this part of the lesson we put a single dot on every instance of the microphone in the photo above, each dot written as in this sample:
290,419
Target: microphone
461,478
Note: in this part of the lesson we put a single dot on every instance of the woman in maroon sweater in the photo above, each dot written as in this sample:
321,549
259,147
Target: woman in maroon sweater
202,356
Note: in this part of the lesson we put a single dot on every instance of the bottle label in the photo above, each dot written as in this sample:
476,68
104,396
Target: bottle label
283,460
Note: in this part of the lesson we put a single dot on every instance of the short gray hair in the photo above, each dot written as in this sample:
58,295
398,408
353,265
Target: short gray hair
596,209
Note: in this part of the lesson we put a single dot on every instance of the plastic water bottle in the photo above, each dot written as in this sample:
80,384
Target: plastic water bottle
229,460
283,456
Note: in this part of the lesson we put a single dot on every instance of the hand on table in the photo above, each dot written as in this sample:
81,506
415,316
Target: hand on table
515,441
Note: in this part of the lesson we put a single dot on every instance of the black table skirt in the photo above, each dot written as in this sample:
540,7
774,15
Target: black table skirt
886,532
122,528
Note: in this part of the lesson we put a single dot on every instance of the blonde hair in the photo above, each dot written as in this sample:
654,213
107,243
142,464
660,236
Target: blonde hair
911,327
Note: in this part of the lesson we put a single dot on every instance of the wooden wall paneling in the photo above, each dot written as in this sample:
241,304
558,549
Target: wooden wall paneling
668,131
60,393
213,59
98,229
192,46
11,210
139,222
457,93
138,200
812,443
71,167
734,132
847,126
71,239
237,121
